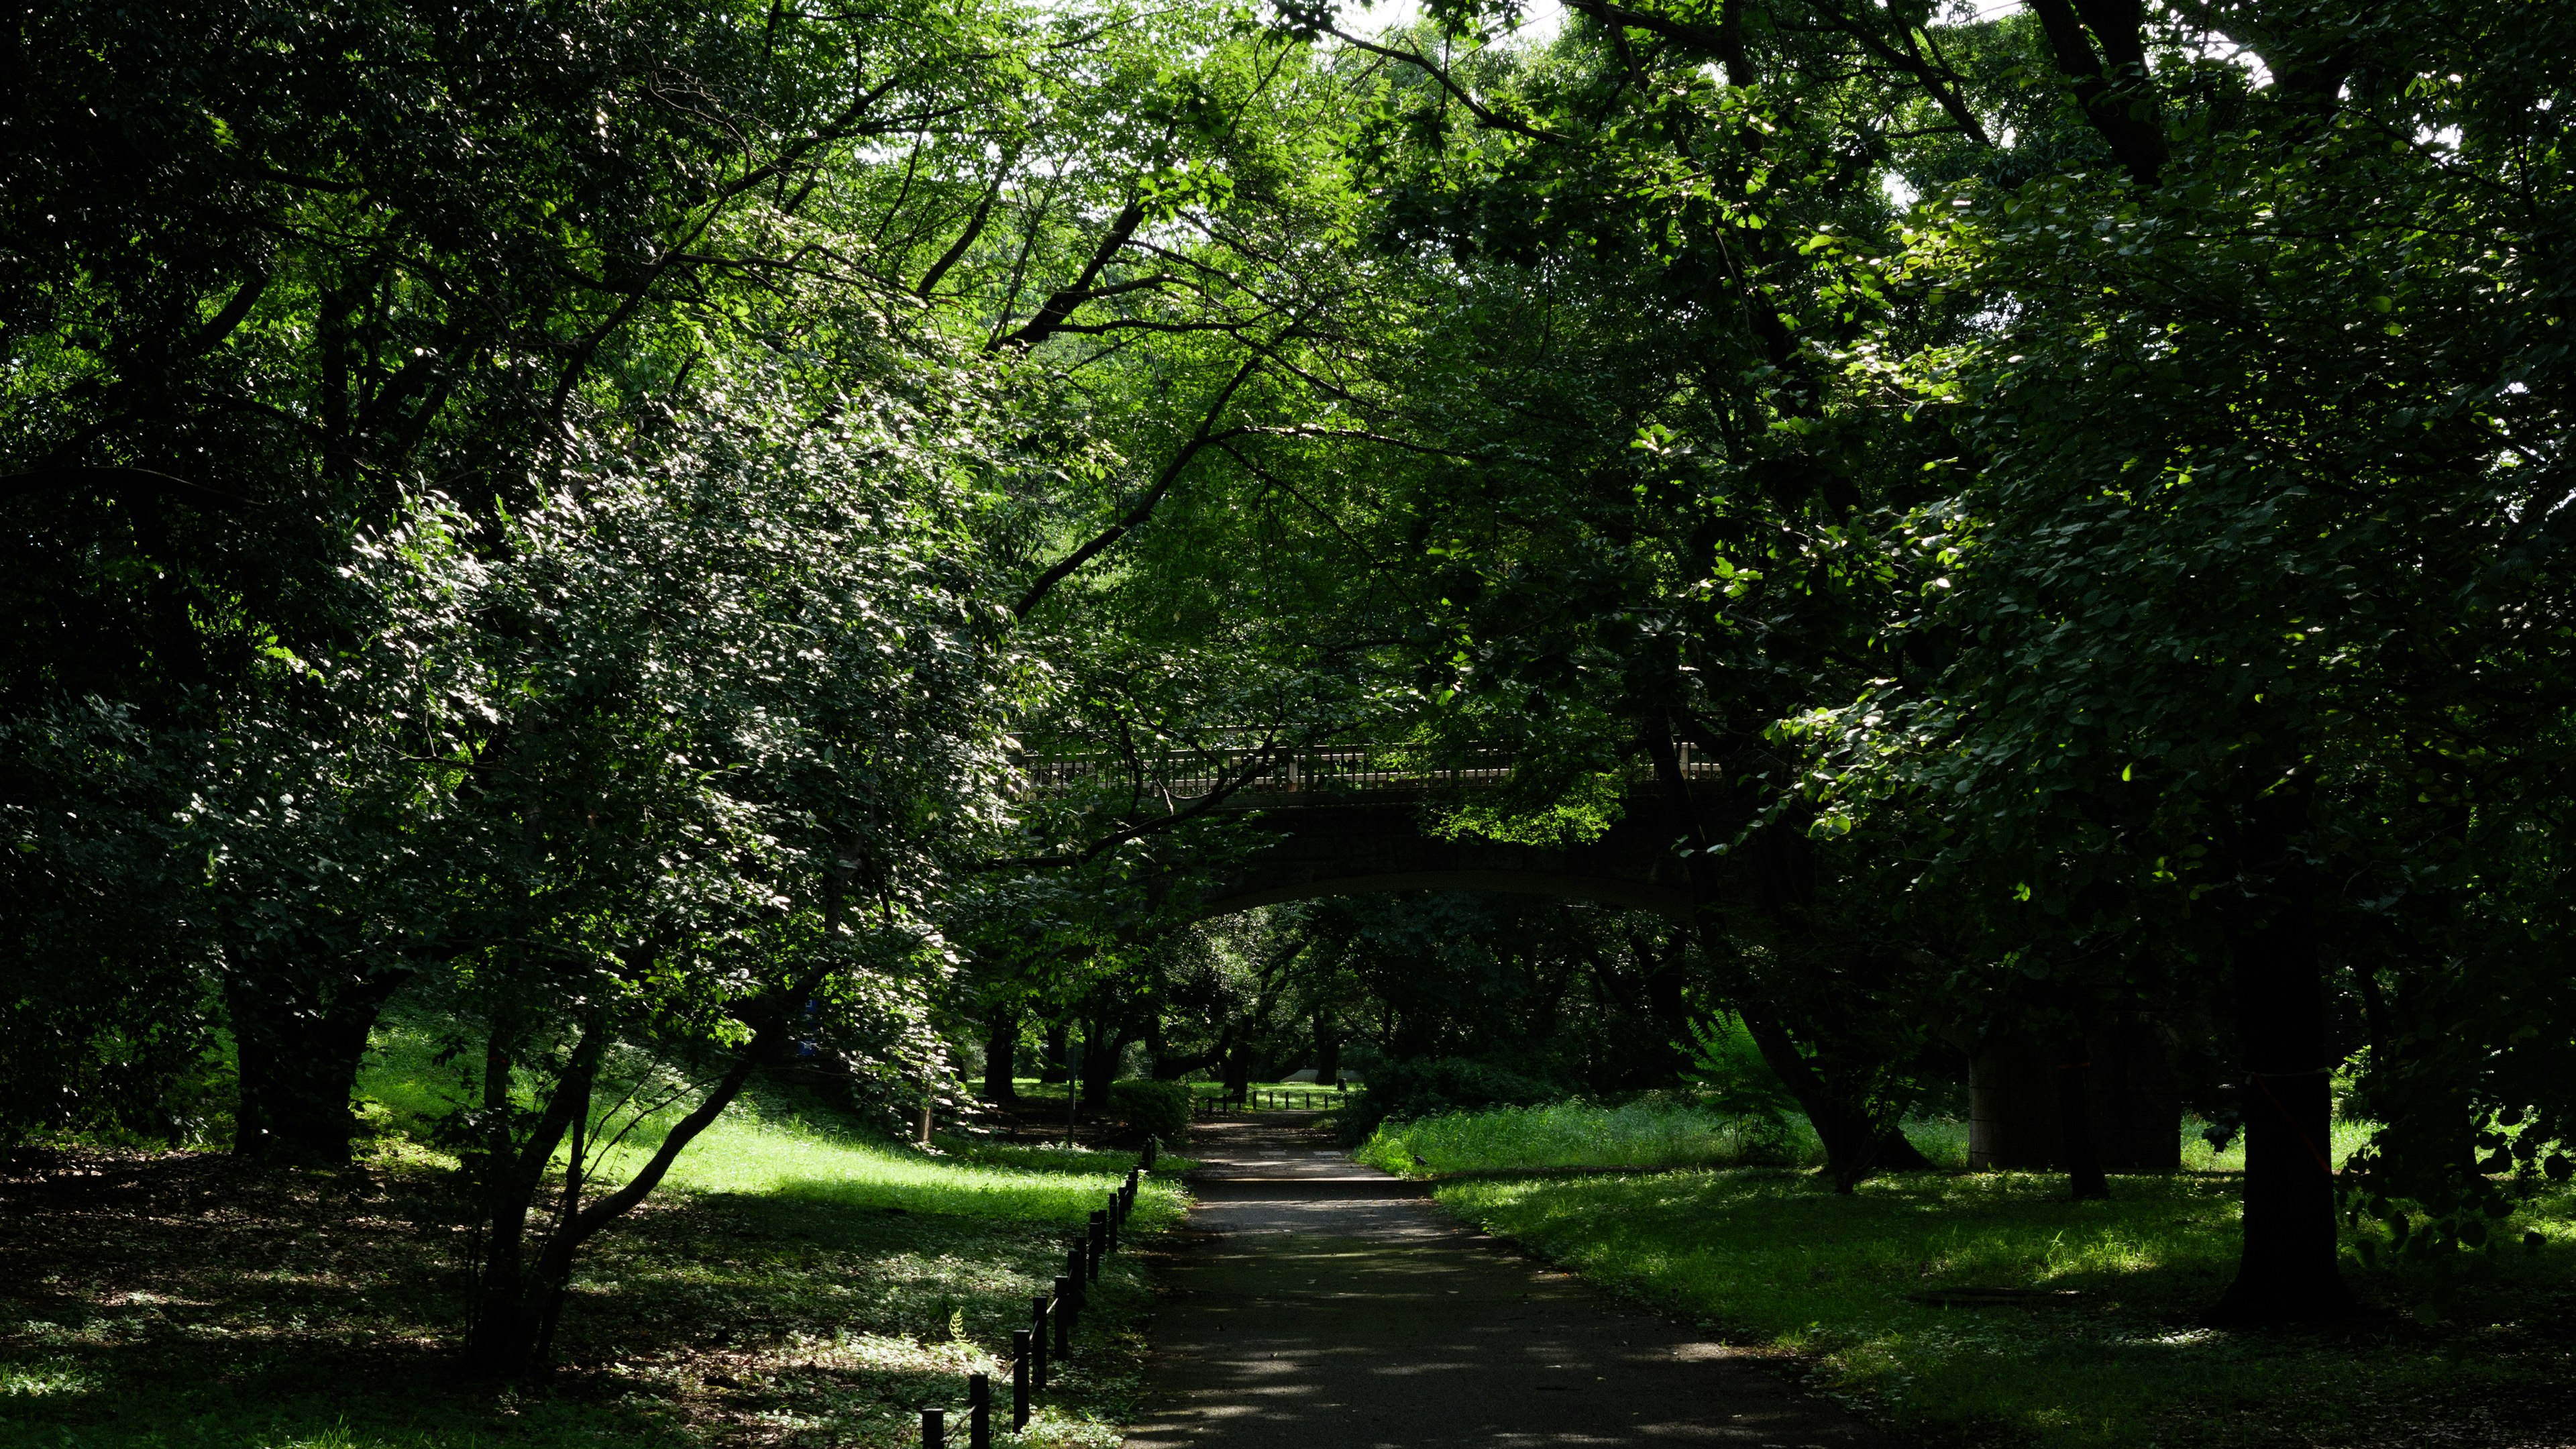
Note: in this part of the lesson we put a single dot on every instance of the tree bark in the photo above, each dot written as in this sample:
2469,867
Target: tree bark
1328,1050
1100,1062
2287,1269
2084,1179
299,1039
1856,1144
1002,1054
1238,1071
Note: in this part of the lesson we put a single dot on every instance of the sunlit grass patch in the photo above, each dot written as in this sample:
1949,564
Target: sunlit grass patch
1776,1258
1654,1131
793,1281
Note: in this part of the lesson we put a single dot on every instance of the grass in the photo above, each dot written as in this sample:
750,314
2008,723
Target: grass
795,1282
1657,1130
1670,1130
1772,1259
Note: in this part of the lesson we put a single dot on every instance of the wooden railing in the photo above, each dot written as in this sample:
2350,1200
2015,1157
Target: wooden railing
1269,1099
1339,768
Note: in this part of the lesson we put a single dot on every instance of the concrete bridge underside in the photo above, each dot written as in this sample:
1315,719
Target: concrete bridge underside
1333,844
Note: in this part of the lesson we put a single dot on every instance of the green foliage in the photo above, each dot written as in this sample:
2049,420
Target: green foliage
1153,1109
1728,1068
1657,1131
1434,1086
795,1271
1778,1260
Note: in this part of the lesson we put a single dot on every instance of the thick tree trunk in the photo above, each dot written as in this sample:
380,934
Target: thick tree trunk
1002,1054
1328,1050
1238,1072
2287,1269
1058,1042
2084,1179
1100,1061
299,1038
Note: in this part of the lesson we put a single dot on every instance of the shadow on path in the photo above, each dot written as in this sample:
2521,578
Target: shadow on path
1325,1305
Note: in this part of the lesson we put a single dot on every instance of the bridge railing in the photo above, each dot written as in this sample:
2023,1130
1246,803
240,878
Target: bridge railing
1336,768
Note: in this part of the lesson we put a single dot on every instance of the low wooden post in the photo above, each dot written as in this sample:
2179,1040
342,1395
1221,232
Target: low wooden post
934,1429
1099,1240
1064,1319
979,1411
1020,1351
1038,1343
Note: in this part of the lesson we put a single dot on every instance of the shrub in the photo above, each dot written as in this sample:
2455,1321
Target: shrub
1437,1086
1153,1109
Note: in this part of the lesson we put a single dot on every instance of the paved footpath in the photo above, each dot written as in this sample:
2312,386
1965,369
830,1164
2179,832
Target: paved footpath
1325,1305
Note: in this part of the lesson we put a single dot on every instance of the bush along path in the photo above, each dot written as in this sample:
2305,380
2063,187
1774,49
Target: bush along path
1323,1303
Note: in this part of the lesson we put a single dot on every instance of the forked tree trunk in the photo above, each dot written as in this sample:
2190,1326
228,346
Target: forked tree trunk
2287,1269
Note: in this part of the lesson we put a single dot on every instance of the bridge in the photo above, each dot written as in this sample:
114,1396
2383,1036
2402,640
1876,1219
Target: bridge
1355,819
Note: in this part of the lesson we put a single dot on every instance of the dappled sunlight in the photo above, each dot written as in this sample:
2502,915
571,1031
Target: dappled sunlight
1779,1260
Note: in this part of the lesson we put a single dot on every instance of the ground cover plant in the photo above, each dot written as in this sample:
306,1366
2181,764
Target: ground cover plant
1837,1285
1673,1130
796,1283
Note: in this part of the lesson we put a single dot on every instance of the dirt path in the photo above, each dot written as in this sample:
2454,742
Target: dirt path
1324,1305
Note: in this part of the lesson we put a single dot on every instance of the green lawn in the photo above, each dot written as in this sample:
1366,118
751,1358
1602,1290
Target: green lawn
796,1282
1671,1130
1773,1258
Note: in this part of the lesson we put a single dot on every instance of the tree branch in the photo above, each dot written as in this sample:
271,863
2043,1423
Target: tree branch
1144,509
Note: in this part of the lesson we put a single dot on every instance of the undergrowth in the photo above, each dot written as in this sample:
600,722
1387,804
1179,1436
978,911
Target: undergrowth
1774,1260
796,1280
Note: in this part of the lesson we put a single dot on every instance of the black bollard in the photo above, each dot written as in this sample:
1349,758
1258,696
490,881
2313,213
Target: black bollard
979,1411
1099,1240
1064,1319
1109,1224
1077,1269
1020,1352
934,1429
1038,1345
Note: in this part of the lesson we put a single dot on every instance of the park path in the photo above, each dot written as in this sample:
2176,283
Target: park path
1318,1304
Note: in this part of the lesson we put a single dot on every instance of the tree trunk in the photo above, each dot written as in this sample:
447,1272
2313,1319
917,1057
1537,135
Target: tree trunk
1328,1050
2084,1177
1100,1062
2287,1270
1238,1072
299,1038
1002,1055
1058,1041
1856,1142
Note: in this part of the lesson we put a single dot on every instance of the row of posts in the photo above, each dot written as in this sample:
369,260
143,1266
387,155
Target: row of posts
1281,1098
1052,1317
